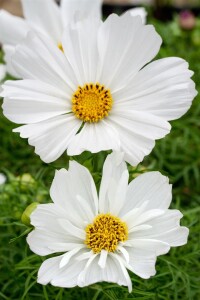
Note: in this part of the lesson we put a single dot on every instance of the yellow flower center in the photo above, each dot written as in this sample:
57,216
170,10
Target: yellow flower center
92,102
60,47
105,233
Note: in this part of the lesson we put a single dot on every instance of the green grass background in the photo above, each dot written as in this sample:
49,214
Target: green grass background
177,156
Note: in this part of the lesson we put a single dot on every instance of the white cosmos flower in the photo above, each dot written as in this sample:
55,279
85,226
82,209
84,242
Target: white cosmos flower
126,227
100,93
44,17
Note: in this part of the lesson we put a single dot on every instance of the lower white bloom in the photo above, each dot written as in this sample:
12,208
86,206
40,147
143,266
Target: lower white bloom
126,227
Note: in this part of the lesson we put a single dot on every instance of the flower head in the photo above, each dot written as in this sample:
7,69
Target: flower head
126,227
97,95
44,17
187,20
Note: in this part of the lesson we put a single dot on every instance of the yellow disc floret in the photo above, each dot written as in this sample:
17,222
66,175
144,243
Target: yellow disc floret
105,233
92,102
60,47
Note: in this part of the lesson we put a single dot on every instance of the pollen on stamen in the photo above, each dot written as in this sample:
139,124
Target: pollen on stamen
105,233
92,102
60,47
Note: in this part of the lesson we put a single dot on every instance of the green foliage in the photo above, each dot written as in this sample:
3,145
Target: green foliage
177,156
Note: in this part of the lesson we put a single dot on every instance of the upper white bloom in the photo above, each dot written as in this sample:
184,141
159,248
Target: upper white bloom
44,17
99,94
126,227
2,71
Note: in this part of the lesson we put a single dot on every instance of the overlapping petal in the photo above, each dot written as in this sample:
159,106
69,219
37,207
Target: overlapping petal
13,29
81,193
33,101
80,9
39,59
114,271
43,16
114,184
150,187
163,88
50,137
50,272
94,137
49,236
138,44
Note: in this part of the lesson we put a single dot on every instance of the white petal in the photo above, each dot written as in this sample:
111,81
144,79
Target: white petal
163,88
152,187
31,101
103,258
43,242
80,47
114,182
13,29
166,228
139,11
44,16
50,272
48,236
142,262
137,45
50,137
143,218
124,252
94,137
141,123
168,221
67,185
158,247
9,51
84,8
85,255
114,272
38,58
124,271
176,237
67,256
137,132
69,227
2,72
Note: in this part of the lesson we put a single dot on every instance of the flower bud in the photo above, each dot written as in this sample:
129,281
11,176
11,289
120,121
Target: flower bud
25,218
187,20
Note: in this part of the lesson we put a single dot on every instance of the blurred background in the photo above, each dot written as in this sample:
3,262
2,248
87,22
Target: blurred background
14,6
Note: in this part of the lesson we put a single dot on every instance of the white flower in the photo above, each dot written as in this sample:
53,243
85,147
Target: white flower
99,94
44,17
2,178
2,72
126,227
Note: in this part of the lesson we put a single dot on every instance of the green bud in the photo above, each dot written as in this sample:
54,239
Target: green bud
25,218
